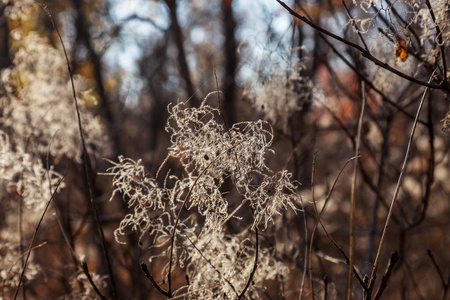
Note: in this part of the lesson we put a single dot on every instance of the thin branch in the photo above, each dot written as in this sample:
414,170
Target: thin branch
397,189
353,196
135,16
87,163
86,272
255,265
444,85
392,262
152,280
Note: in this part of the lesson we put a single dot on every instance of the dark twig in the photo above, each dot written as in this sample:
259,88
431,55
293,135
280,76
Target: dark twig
393,260
444,85
152,280
87,162
86,272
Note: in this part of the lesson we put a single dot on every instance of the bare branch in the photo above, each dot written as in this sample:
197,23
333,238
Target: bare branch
392,262
152,280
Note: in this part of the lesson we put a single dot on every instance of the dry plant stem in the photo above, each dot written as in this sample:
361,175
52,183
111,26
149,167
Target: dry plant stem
34,237
87,163
169,292
353,196
152,280
394,259
86,271
441,42
444,85
394,197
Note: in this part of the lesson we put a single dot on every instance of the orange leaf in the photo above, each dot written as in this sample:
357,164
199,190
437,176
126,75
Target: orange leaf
402,49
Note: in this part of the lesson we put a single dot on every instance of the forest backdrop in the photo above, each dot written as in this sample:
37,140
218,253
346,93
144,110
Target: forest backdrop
224,149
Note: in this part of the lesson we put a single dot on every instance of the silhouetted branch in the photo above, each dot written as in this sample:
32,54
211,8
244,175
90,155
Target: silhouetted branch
255,265
152,280
88,276
393,260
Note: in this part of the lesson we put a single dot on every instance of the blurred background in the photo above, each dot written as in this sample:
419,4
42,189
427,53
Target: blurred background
136,57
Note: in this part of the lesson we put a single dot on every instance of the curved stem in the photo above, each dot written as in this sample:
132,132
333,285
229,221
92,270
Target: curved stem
255,265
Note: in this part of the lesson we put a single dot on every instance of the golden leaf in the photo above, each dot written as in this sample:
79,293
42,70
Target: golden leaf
402,49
